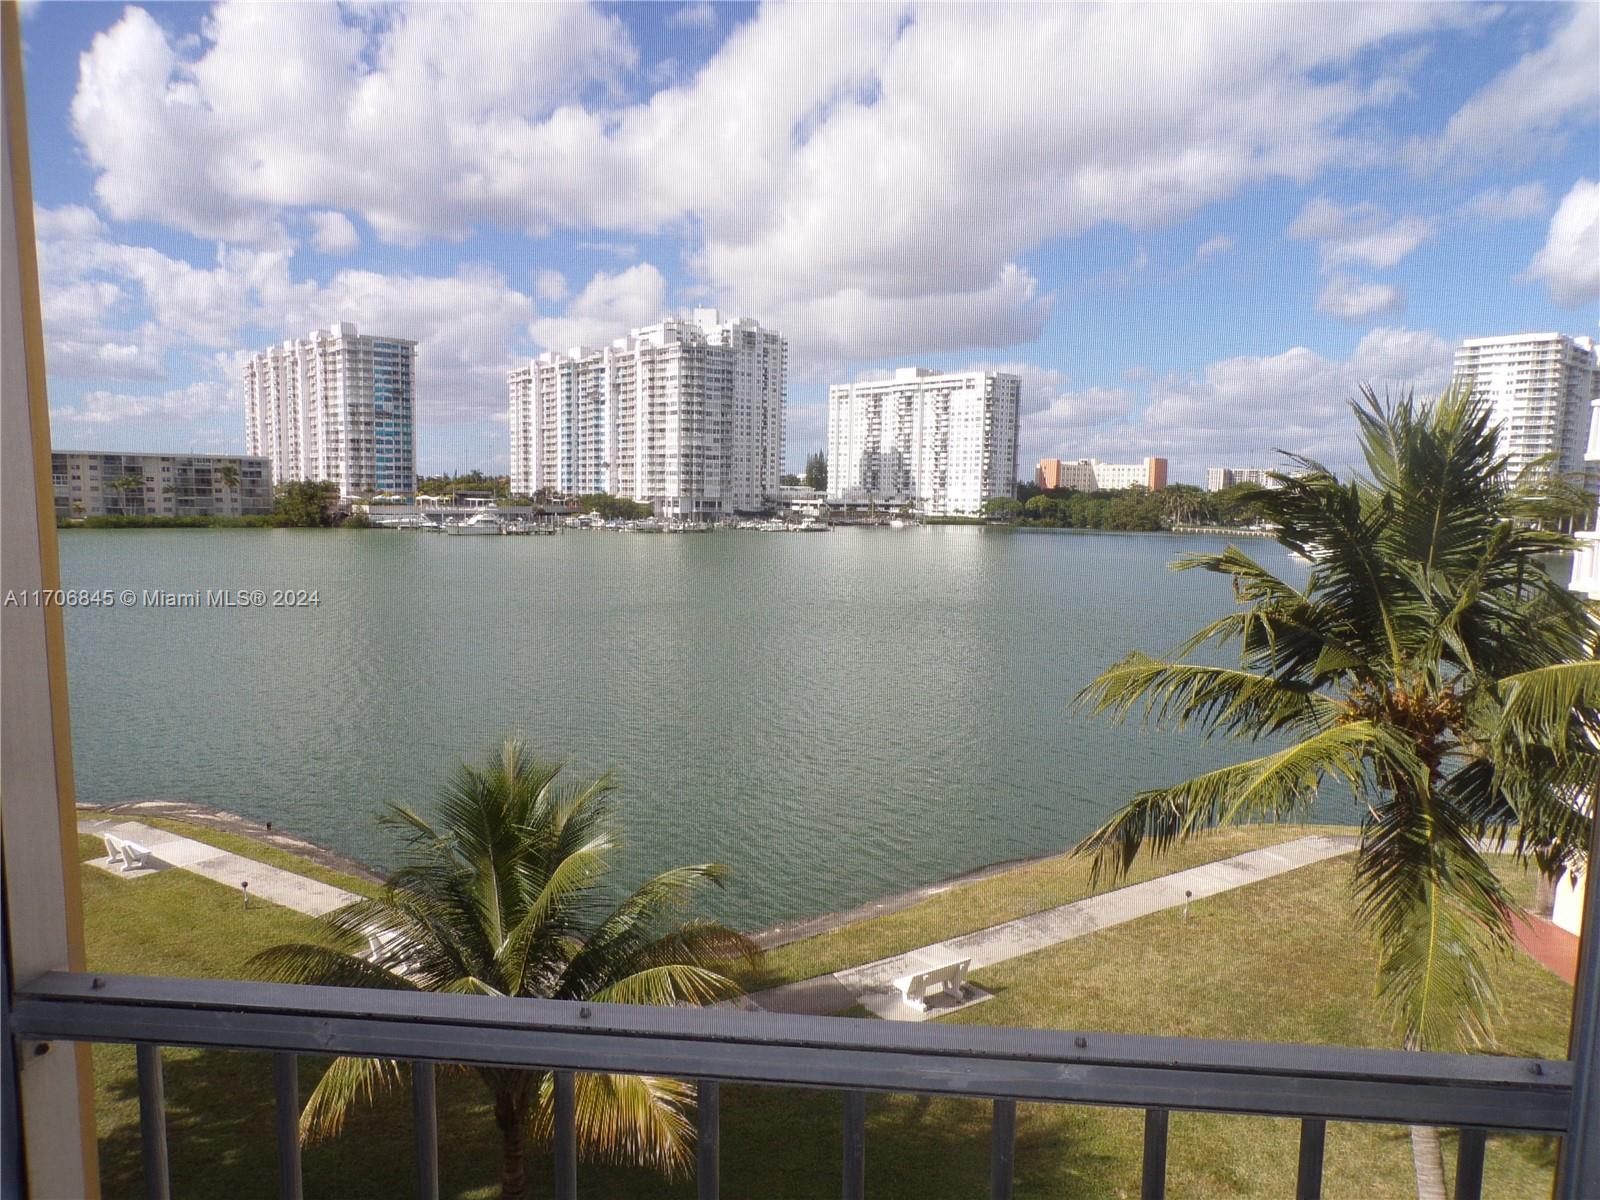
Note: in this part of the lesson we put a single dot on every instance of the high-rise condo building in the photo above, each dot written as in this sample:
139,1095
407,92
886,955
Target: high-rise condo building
1092,475
685,415
337,406
1544,388
1221,478
942,442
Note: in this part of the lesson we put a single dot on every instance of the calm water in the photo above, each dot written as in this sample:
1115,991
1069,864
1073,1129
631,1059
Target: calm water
836,717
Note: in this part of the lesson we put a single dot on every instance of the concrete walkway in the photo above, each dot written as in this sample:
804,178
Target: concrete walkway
266,882
871,984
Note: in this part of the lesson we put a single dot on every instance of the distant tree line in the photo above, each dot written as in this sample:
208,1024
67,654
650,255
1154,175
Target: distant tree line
611,507
1128,510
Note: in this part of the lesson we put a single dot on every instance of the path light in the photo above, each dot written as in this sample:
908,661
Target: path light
1187,894
245,884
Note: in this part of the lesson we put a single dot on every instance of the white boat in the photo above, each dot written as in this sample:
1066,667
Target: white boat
897,523
480,524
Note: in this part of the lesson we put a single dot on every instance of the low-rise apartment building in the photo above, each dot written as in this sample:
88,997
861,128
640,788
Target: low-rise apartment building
94,483
1092,475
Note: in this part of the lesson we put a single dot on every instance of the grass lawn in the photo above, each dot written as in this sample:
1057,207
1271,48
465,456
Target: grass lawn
1017,893
1277,960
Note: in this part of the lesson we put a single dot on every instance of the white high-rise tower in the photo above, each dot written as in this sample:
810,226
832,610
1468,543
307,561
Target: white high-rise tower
1543,388
685,415
942,442
337,406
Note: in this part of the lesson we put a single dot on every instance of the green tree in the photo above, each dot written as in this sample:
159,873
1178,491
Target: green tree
305,504
128,488
504,895
790,481
228,476
1430,664
817,471
1002,508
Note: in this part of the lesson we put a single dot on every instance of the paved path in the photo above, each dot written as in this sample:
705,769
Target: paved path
871,984
267,882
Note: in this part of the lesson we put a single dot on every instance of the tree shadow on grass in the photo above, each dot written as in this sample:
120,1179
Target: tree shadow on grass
221,1133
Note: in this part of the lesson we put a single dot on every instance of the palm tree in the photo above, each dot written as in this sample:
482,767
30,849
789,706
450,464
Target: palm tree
503,896
123,484
1430,664
228,476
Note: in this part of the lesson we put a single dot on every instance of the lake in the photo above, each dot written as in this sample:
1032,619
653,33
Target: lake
834,716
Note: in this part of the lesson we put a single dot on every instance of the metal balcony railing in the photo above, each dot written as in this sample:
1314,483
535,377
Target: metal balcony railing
1476,1094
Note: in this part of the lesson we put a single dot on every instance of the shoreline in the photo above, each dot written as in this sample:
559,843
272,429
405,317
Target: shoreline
227,822
767,938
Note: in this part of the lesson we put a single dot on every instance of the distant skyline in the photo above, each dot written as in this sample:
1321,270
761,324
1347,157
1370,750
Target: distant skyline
1193,231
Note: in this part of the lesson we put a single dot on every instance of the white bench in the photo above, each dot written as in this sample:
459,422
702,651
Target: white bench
950,978
130,854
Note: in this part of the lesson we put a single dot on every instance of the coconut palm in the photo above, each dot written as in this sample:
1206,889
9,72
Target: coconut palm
503,895
1430,664
227,474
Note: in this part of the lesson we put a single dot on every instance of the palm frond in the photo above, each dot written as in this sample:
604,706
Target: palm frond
1216,699
1273,787
346,1083
626,1119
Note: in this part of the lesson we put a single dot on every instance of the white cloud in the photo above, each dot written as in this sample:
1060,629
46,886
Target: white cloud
1350,299
550,286
1213,246
333,233
112,408
1237,410
853,324
1526,109
694,16
469,325
399,119
1569,261
1492,206
1359,233
798,203
607,308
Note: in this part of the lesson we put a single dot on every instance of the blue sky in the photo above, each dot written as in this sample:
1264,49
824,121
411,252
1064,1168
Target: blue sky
1193,230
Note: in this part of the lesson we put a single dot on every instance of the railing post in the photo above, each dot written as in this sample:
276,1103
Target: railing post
708,1140
286,1090
425,1130
1153,1185
566,1136
1313,1140
1002,1150
153,1124
1469,1165
855,1146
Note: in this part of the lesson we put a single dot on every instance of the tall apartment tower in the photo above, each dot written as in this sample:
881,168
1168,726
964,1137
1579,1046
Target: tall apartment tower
685,415
1544,388
942,442
336,406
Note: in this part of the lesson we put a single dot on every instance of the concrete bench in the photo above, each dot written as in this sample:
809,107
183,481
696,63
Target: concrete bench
950,978
131,855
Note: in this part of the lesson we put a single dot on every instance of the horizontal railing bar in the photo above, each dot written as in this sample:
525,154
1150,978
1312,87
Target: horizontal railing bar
1515,1101
781,1029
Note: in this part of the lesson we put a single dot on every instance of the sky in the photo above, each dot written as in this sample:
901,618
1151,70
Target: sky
1195,231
